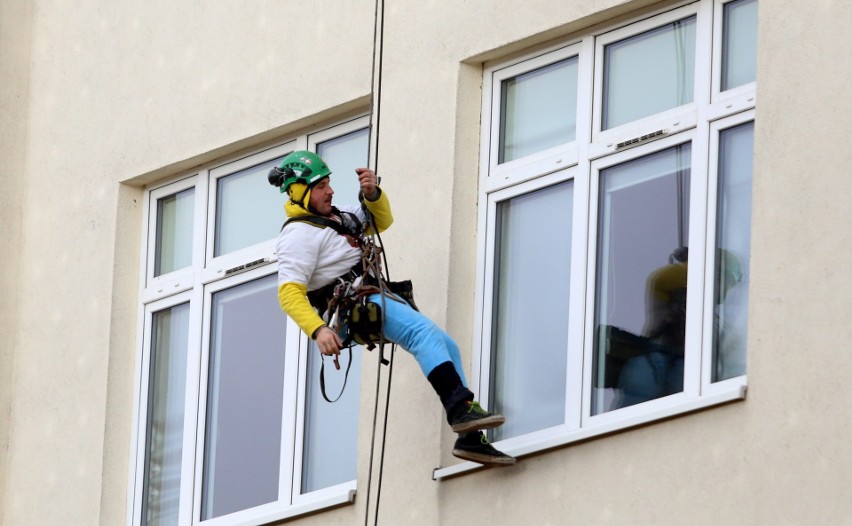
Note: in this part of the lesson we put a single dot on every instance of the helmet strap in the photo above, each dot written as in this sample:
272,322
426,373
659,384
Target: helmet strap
302,202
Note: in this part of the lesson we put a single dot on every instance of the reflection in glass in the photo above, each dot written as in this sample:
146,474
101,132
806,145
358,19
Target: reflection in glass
739,43
342,155
244,401
538,110
331,430
733,237
166,397
248,211
532,277
640,311
174,232
649,73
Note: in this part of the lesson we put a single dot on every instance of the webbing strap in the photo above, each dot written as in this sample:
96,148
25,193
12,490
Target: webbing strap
345,378
337,226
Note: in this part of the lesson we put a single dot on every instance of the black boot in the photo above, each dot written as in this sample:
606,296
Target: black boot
464,414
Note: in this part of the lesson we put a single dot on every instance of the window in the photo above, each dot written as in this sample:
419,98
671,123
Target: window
648,73
615,197
231,426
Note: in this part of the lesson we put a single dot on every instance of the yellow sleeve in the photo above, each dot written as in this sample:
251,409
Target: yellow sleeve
381,210
293,299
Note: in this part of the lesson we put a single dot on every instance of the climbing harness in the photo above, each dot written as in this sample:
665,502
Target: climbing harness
345,302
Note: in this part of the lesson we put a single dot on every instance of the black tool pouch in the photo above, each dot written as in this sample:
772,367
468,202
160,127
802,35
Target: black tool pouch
365,323
405,290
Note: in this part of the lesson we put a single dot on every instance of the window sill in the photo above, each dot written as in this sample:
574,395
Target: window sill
538,445
304,508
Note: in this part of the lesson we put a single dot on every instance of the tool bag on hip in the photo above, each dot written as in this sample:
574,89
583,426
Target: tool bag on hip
365,323
364,319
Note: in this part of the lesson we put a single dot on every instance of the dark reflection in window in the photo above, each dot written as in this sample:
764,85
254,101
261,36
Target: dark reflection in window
642,263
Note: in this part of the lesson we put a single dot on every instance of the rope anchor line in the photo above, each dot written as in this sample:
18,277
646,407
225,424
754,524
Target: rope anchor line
373,155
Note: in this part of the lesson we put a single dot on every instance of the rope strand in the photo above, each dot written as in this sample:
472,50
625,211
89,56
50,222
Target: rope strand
373,155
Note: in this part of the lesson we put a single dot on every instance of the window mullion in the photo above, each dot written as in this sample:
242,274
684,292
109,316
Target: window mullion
698,211
199,244
484,377
194,444
703,56
589,289
577,403
205,299
191,408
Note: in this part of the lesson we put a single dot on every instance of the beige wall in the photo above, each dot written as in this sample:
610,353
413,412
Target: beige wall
15,34
120,96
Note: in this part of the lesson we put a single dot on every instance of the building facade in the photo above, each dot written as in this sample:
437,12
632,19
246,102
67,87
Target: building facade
631,215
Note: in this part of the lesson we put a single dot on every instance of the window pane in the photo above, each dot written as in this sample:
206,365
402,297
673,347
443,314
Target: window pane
164,433
649,73
331,430
739,43
733,236
248,210
343,155
531,291
538,110
640,312
174,232
244,400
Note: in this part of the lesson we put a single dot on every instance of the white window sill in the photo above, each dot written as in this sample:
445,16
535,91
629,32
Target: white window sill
735,393
261,518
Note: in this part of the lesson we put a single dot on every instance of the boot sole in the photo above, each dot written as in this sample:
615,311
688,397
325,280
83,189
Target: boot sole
487,460
483,423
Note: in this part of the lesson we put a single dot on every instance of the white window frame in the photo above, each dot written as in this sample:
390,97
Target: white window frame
338,130
181,279
217,264
554,158
671,121
698,123
732,95
707,366
196,285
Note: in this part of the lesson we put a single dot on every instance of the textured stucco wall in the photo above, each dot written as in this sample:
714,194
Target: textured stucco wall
781,457
120,96
15,34
122,93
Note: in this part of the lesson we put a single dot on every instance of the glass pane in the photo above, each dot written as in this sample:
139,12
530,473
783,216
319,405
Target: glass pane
164,432
538,110
649,73
733,236
248,210
331,430
242,453
531,294
739,43
174,232
640,312
343,155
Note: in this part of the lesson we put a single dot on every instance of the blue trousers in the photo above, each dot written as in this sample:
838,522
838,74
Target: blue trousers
418,335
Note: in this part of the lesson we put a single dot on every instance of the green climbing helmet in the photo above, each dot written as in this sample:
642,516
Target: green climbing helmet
298,167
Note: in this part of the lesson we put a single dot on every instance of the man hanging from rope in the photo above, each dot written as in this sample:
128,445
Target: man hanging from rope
327,267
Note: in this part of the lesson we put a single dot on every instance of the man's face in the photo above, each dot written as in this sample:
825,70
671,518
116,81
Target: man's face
321,194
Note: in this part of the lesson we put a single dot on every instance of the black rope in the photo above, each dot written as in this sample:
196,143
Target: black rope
373,153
